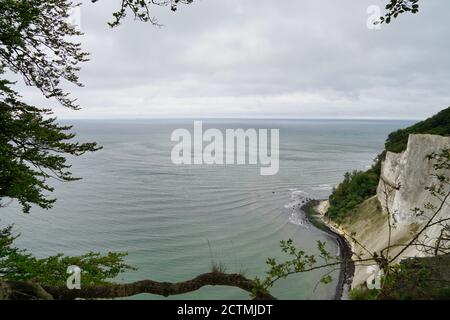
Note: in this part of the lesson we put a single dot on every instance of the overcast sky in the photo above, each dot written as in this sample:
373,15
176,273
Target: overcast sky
264,58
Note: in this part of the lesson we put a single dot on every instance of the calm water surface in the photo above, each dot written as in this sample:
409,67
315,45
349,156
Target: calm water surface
174,221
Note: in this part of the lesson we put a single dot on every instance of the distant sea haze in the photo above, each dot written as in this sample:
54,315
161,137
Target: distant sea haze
175,220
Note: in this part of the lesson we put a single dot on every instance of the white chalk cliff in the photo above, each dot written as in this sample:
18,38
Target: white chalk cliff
404,177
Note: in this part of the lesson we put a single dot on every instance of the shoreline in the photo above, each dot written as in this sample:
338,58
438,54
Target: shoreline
345,249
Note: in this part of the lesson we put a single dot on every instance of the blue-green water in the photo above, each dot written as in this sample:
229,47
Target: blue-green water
175,220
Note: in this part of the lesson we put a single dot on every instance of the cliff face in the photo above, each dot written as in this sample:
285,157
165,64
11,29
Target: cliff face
404,177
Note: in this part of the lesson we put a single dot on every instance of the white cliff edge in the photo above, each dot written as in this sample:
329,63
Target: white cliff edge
404,177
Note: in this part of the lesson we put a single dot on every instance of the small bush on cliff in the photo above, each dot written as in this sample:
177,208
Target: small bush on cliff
356,187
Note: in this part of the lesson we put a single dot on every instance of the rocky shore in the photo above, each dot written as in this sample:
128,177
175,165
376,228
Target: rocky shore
314,213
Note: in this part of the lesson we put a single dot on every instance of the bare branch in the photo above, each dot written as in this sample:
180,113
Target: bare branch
159,288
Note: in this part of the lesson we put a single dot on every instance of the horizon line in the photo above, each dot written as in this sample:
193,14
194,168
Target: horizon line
246,118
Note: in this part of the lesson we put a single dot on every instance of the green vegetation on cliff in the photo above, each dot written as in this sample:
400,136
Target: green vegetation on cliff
413,279
438,124
361,185
356,187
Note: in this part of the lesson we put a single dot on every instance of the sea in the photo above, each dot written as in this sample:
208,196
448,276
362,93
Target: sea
178,221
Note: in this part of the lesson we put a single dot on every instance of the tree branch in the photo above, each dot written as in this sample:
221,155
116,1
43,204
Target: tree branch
159,288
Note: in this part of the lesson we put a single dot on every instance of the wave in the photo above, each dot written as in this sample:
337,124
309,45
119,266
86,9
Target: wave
296,215
323,187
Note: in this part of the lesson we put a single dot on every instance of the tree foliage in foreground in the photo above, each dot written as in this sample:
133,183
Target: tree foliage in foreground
396,7
412,279
37,42
19,265
33,148
142,10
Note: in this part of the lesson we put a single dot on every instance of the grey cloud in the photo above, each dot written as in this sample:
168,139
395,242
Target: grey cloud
259,58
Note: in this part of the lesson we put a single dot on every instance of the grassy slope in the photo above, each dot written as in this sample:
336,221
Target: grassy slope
416,278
